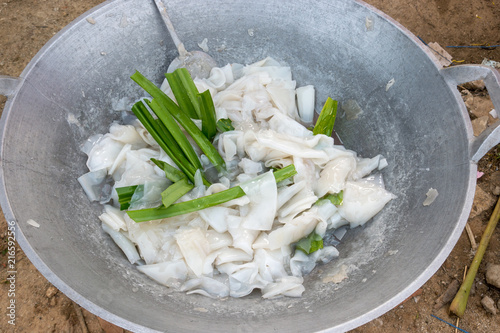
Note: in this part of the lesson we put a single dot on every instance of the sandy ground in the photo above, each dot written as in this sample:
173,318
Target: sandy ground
27,25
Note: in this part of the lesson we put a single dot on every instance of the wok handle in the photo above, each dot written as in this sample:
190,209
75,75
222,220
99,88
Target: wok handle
491,77
9,85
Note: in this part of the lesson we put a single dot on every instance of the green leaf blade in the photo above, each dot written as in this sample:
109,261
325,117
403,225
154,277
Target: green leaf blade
326,121
190,88
312,243
207,111
224,125
175,191
170,172
163,139
186,122
194,205
284,173
125,195
176,132
186,207
181,95
337,199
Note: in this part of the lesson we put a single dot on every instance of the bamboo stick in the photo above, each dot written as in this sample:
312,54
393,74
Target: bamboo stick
471,237
459,304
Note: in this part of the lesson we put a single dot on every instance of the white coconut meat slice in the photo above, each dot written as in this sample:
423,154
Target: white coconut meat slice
127,134
242,238
217,217
289,286
362,201
194,247
123,243
365,166
281,123
103,153
263,196
206,286
114,218
285,193
92,183
232,255
305,103
292,231
333,177
170,273
270,263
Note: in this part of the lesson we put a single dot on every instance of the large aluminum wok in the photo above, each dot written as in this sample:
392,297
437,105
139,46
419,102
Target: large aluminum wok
76,84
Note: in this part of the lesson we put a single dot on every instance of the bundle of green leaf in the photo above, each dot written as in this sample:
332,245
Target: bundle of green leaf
218,188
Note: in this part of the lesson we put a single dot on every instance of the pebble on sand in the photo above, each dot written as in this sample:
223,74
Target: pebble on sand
489,305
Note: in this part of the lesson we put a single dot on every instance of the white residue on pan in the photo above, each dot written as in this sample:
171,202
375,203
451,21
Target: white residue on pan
431,196
339,275
71,119
204,45
33,223
121,104
351,109
200,309
389,84
372,240
369,23
123,21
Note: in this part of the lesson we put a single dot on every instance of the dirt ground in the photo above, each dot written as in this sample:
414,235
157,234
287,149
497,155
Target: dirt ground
27,25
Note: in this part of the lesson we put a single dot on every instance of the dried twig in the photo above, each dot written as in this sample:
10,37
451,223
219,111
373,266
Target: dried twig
472,240
460,302
448,295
